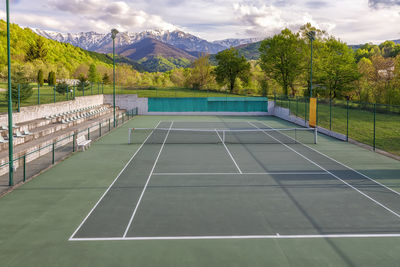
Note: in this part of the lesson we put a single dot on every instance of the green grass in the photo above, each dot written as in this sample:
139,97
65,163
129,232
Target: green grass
361,122
38,218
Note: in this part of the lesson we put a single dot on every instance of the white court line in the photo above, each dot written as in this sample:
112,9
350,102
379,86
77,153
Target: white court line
337,177
243,174
234,161
147,182
344,165
108,189
277,236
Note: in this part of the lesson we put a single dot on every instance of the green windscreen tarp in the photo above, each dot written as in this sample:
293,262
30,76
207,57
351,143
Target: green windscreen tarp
208,104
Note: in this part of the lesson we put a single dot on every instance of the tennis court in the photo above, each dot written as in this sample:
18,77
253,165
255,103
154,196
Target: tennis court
238,179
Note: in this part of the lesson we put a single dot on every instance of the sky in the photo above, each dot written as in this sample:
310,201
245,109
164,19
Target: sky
352,21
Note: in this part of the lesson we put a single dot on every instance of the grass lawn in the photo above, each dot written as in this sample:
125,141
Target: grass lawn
361,123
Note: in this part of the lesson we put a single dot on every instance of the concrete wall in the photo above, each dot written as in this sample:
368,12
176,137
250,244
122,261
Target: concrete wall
39,111
128,102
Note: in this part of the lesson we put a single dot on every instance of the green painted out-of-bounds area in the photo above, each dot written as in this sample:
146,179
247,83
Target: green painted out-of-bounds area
38,218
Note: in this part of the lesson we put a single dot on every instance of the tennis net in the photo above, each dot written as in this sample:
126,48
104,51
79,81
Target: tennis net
227,136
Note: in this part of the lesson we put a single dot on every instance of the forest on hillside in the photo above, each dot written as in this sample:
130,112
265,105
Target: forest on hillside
371,73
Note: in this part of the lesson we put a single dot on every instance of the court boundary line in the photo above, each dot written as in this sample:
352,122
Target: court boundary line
109,187
240,174
346,166
227,150
221,237
335,176
147,182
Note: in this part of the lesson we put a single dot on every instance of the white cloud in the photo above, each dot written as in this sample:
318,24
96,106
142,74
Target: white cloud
354,21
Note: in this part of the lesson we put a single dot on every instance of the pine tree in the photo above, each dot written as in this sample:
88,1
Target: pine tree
40,78
52,78
106,78
92,74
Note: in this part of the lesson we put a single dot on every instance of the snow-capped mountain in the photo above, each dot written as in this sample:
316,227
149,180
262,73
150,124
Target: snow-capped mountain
236,42
102,42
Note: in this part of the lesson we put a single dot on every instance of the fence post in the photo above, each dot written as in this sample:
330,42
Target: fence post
102,88
67,92
74,91
88,133
73,142
19,97
91,88
98,88
24,167
316,126
305,111
109,124
53,148
330,114
38,94
99,129
297,106
54,94
83,86
347,126
374,126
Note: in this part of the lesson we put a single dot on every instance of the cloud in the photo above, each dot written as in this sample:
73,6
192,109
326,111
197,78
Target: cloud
112,14
316,4
267,20
383,3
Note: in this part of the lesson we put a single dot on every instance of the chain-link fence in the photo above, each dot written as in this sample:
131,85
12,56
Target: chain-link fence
34,162
376,125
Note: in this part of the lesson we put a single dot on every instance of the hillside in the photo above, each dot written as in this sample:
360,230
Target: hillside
154,55
59,55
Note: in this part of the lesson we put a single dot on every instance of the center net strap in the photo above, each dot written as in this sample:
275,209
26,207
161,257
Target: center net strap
227,136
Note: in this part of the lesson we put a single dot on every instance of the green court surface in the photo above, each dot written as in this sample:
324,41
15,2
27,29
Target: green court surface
173,200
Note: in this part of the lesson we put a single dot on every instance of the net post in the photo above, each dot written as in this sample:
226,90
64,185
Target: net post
129,135
316,135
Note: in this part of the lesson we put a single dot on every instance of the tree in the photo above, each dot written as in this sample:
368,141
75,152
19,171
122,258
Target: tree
62,88
52,78
201,72
230,67
106,78
40,78
92,76
83,83
335,68
37,50
25,89
282,59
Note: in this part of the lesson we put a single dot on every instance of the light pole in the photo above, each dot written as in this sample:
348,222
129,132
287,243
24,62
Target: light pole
311,36
10,124
114,33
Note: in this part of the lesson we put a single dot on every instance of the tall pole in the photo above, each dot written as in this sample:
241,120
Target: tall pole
10,123
311,36
114,33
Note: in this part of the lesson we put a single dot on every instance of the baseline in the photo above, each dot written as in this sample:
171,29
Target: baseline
277,236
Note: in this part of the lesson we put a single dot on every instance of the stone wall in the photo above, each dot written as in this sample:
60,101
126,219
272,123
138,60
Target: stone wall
39,111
